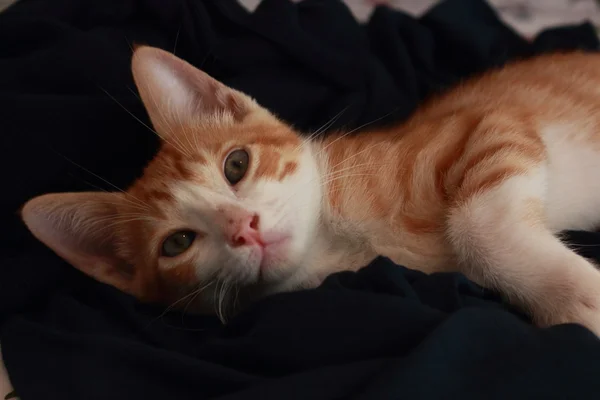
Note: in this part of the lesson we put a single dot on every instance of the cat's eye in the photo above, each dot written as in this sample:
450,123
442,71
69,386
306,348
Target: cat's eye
236,165
177,243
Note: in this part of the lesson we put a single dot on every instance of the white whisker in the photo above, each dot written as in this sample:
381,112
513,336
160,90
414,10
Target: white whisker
176,39
138,119
323,128
138,202
356,166
354,130
354,155
134,93
222,295
344,176
129,112
177,141
193,293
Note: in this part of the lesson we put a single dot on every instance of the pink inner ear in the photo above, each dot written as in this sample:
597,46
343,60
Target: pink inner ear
176,92
79,228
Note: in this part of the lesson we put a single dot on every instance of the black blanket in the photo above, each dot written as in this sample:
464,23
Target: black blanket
382,333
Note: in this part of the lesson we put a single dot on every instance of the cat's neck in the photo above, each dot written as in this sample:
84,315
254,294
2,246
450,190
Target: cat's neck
380,189
365,176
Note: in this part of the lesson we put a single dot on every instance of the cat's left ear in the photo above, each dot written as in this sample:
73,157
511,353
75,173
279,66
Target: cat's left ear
174,92
82,229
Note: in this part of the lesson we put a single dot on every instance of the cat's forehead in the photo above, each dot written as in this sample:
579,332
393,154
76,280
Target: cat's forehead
215,136
195,156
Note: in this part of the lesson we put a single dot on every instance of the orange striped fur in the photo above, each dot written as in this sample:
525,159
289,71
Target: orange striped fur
479,180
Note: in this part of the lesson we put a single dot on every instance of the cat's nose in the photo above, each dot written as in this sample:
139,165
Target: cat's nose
244,231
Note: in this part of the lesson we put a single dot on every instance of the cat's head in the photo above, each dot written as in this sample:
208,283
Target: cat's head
232,199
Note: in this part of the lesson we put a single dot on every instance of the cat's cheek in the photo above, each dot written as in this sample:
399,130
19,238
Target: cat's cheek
307,206
304,223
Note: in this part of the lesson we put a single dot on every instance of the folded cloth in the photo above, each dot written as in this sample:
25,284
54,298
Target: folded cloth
69,121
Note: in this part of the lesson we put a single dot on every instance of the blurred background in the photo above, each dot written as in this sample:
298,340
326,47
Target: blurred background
526,16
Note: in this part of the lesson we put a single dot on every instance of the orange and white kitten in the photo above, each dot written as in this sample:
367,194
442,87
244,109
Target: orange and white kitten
479,180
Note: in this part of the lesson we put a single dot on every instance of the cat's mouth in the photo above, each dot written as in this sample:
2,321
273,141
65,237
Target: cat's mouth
274,251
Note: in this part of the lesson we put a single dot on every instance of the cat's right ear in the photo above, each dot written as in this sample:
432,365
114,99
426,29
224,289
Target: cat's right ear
174,92
82,229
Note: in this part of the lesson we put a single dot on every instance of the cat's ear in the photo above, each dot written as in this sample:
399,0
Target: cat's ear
80,228
174,92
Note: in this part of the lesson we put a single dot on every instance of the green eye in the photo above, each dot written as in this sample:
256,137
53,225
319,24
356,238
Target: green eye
236,165
177,243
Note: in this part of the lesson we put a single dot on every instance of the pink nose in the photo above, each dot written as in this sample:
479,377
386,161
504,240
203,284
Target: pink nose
242,229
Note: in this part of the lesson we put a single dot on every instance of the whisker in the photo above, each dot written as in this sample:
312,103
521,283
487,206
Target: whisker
186,135
356,129
332,169
135,117
126,216
101,225
177,143
139,202
174,304
134,93
134,202
344,176
129,112
176,39
323,128
332,174
345,160
139,206
191,300
89,183
333,120
236,298
89,172
355,166
105,227
217,281
582,245
205,58
223,292
129,44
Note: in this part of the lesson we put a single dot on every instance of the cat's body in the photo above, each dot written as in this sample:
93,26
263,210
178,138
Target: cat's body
479,180
405,181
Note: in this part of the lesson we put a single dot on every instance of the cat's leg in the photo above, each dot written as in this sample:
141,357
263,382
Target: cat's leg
501,238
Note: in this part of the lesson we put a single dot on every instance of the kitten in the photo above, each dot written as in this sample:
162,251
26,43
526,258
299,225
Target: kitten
479,180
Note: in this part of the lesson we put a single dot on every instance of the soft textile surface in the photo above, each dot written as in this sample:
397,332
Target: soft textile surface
384,332
526,16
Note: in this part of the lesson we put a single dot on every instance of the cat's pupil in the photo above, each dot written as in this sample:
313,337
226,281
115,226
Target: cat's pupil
177,243
236,166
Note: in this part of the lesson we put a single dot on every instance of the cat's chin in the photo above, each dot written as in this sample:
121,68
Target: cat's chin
276,263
